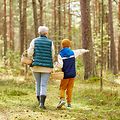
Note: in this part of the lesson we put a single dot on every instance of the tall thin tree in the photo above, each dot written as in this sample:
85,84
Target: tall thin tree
119,37
5,29
21,31
87,38
102,35
41,12
25,28
64,17
11,32
69,21
25,22
55,26
59,24
35,17
113,61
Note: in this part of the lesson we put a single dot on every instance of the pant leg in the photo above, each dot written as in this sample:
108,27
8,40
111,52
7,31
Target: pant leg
69,90
63,86
37,76
44,81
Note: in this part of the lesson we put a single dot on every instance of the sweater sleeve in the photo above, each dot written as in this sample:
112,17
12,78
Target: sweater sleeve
60,62
31,49
79,52
53,51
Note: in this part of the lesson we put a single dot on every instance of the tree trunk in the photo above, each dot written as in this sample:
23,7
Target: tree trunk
11,33
35,17
25,28
69,22
64,18
113,62
55,28
119,37
25,22
41,12
94,10
96,16
102,35
87,38
59,24
21,31
5,29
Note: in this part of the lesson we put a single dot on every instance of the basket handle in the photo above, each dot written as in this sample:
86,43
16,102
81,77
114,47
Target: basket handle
25,53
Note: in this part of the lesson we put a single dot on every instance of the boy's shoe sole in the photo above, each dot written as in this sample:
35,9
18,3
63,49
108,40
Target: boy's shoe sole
61,104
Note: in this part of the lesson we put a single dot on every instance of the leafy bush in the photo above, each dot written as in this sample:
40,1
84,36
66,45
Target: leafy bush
12,64
79,68
13,58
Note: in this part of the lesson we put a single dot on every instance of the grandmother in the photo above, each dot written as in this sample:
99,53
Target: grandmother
42,51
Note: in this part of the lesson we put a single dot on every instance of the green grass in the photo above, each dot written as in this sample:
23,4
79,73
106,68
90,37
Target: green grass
18,101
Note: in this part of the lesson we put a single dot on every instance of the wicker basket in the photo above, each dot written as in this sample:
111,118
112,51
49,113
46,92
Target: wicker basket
25,59
57,75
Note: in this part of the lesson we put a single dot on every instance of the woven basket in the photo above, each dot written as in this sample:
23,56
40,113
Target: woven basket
26,60
57,75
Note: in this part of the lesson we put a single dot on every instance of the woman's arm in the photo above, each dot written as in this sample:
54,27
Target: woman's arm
31,49
53,51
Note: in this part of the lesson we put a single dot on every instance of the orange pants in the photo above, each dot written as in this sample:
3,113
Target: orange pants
66,85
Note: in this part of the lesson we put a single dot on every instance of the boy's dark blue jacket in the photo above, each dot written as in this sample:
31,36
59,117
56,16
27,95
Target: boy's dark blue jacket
68,58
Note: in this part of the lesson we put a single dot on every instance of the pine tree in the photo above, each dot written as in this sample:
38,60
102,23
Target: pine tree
11,31
119,37
87,38
113,65
41,12
35,17
5,29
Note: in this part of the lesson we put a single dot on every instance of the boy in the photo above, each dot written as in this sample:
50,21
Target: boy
66,60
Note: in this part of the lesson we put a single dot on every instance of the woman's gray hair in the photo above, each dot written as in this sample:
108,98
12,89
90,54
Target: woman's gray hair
42,30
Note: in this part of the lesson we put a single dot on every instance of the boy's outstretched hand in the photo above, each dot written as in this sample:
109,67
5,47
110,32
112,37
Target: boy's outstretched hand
87,51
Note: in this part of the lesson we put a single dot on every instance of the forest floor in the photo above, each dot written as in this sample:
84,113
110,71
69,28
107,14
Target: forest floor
18,101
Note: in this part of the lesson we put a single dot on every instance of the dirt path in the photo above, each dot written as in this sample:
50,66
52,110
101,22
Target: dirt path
36,115
3,116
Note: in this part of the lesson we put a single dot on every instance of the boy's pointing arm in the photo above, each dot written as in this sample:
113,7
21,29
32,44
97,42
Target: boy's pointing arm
79,52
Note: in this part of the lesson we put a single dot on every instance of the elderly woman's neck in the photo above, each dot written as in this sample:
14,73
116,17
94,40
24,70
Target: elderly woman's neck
43,35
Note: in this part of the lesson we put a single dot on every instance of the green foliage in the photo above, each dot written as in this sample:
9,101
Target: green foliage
13,62
79,68
97,46
10,92
13,58
94,79
95,97
79,63
1,39
108,75
2,70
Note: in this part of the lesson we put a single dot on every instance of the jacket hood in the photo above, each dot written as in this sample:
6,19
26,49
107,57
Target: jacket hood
66,52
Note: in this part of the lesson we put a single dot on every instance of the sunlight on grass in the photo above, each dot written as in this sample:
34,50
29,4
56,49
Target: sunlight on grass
14,92
18,99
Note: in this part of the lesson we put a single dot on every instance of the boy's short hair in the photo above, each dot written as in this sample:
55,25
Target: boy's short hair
66,43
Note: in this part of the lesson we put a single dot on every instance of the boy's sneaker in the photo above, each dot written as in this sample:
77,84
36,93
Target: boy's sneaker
69,105
61,103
